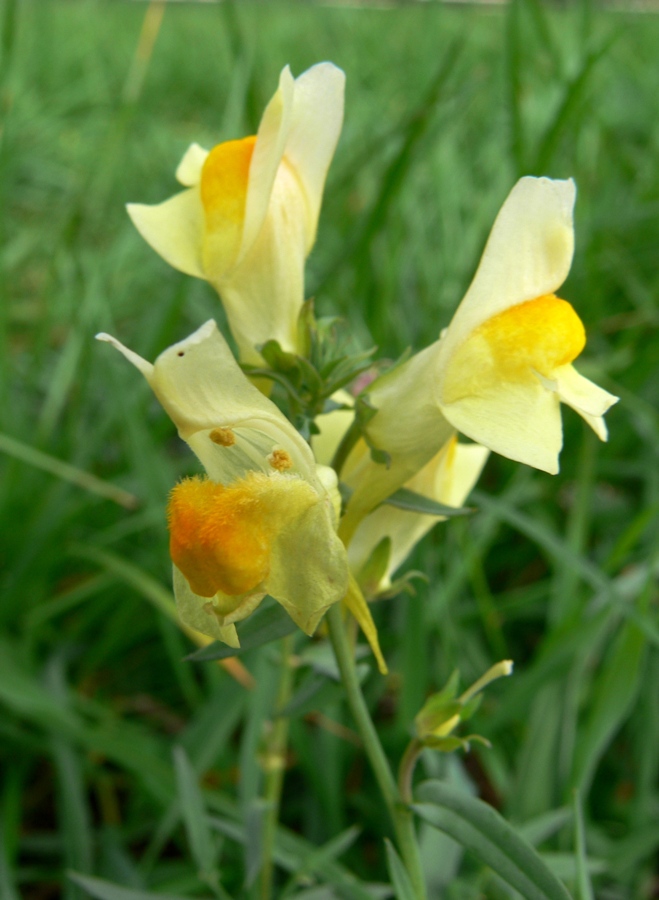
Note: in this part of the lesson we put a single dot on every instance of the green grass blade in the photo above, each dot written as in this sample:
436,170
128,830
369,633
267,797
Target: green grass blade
66,472
584,886
193,810
105,890
613,696
403,888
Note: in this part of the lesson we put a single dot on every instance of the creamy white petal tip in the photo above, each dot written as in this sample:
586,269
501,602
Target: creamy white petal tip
189,169
146,368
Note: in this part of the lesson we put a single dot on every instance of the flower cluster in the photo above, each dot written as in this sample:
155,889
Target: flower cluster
312,527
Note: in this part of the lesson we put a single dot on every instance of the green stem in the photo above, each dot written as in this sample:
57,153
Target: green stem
406,769
275,766
400,814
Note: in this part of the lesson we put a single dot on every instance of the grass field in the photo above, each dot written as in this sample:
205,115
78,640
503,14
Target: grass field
446,108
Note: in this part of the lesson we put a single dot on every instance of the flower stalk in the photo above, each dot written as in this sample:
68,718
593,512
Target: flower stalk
400,815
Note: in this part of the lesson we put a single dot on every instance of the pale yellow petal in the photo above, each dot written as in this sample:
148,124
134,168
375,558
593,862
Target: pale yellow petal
409,426
519,420
528,255
174,229
315,129
329,480
310,569
197,613
268,152
189,169
206,394
263,293
581,394
448,479
333,426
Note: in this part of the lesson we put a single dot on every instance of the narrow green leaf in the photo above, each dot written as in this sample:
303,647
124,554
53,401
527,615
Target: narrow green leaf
480,828
146,585
194,816
574,93
255,815
403,498
105,890
74,819
66,472
293,852
557,548
403,888
541,827
584,887
313,693
612,699
267,624
330,851
8,889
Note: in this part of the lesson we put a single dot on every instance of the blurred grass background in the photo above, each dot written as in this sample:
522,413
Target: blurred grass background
446,108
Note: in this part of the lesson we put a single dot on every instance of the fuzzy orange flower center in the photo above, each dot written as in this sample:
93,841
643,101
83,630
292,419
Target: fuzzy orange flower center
221,537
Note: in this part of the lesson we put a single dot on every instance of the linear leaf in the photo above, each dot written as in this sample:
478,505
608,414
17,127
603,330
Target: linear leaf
612,698
584,887
194,816
480,828
403,888
105,890
403,498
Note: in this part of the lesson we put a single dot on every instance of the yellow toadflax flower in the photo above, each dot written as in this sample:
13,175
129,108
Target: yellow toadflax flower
263,521
505,363
248,217
501,369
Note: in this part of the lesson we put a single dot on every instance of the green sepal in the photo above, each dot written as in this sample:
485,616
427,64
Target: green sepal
434,715
447,744
364,412
279,360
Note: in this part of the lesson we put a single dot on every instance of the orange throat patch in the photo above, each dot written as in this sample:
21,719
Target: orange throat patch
540,334
220,537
